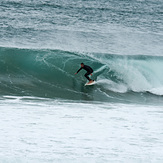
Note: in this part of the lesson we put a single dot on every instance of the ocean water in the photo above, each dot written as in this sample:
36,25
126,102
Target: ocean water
47,114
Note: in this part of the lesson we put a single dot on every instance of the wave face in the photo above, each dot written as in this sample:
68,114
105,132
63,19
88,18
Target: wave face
50,73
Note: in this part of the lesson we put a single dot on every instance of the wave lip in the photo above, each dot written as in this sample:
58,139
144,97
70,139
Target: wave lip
50,73
157,91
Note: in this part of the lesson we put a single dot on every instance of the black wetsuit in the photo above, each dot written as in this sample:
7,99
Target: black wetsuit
88,69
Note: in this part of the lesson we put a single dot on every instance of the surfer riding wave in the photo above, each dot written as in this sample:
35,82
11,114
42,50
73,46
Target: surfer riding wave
89,71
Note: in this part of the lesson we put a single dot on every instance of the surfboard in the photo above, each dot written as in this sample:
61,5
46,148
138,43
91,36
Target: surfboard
86,84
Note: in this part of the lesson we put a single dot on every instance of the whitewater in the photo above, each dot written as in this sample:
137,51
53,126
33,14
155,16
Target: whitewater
47,114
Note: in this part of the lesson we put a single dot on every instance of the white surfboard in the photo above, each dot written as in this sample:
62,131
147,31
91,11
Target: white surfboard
90,83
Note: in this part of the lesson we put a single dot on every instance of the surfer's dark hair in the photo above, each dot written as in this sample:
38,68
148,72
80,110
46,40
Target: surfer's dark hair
82,63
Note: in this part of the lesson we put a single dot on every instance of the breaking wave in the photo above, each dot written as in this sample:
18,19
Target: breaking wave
50,73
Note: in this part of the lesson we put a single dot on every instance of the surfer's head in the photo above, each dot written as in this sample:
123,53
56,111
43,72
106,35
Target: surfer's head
82,64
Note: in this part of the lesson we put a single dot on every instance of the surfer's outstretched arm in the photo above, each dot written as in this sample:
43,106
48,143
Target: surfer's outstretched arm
78,70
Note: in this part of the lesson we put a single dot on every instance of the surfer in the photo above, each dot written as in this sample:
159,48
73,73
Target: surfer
89,71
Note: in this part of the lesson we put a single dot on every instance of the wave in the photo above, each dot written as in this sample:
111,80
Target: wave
50,73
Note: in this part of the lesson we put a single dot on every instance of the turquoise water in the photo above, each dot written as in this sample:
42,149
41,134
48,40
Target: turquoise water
50,73
47,114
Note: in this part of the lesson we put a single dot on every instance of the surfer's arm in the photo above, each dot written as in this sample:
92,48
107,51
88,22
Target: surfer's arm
78,70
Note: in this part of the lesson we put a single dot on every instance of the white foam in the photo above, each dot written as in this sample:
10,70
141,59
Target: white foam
157,91
79,132
110,85
135,75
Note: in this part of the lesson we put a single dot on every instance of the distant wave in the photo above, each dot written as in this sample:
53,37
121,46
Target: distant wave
50,73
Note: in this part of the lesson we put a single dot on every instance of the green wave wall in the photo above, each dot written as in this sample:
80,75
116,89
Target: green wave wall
50,73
